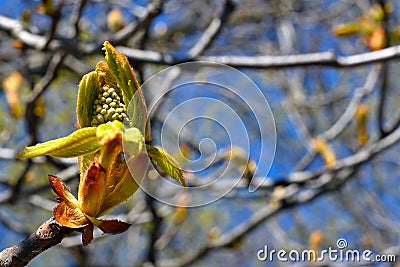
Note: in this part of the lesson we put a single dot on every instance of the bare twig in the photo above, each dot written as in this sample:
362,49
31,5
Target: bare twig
152,11
77,14
51,71
212,30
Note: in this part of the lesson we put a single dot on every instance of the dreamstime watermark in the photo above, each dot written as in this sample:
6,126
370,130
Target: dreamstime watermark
339,254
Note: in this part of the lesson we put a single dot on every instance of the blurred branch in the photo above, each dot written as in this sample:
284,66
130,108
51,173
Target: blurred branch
155,230
212,30
77,14
329,58
38,89
17,30
308,177
13,224
50,74
385,72
340,125
151,11
351,108
55,19
309,59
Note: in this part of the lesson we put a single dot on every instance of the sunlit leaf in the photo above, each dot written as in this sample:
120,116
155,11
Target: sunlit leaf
40,107
46,7
88,90
166,162
131,93
181,209
315,240
378,39
133,141
127,185
92,190
81,142
62,191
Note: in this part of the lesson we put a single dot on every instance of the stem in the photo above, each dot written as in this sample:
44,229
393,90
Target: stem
49,234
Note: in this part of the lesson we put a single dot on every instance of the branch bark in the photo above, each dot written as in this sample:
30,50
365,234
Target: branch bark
47,235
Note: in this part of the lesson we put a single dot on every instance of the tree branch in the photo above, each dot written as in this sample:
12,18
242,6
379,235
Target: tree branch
255,62
212,30
47,235
328,58
152,11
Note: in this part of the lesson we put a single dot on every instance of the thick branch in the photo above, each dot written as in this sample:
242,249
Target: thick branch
47,235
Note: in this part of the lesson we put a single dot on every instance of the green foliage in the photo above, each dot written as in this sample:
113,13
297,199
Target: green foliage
166,162
81,142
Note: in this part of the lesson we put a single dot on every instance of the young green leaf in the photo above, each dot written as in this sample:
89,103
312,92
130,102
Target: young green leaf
166,162
81,142
133,141
89,88
132,95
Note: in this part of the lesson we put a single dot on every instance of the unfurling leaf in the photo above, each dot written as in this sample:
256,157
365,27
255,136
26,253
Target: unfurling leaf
113,226
62,191
92,190
87,92
315,239
126,185
326,152
361,117
166,162
47,7
133,141
81,142
69,216
119,67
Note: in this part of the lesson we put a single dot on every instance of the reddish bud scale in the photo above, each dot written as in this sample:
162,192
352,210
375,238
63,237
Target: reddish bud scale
92,189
